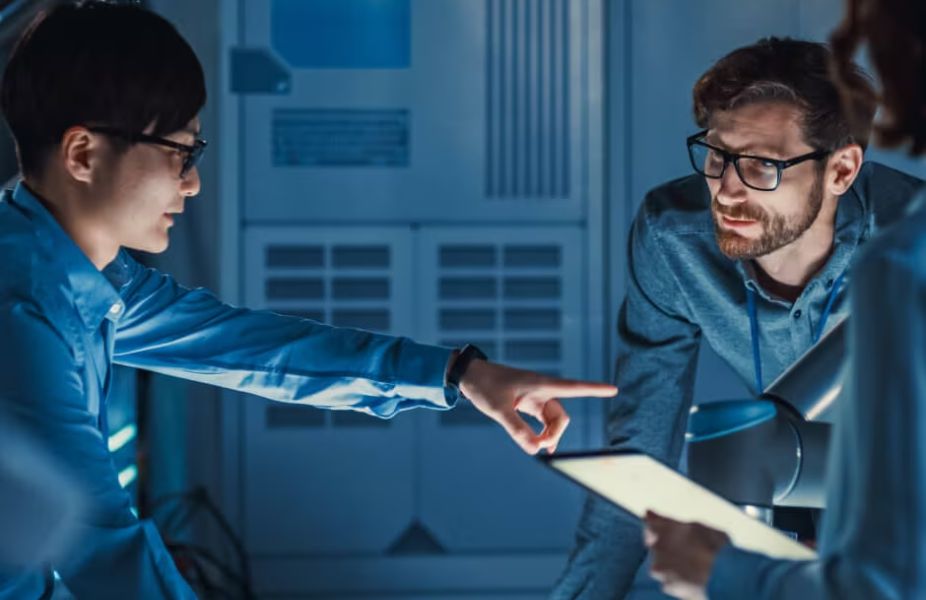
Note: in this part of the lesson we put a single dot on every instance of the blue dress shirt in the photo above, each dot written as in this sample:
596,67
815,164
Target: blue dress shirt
63,324
873,543
681,290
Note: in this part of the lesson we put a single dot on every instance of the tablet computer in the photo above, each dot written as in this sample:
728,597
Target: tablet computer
638,483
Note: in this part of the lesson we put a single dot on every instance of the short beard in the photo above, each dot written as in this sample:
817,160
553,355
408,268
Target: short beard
777,231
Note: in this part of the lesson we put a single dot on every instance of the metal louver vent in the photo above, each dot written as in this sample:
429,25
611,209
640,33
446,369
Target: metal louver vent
527,99
345,284
505,298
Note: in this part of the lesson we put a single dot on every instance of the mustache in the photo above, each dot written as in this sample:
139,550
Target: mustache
739,211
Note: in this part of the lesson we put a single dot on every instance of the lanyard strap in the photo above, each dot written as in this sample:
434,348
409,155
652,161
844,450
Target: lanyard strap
754,325
837,287
754,332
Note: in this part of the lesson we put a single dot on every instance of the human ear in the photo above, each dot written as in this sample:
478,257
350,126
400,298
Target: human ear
81,153
842,168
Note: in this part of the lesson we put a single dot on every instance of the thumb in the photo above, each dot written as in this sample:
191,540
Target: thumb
518,429
657,522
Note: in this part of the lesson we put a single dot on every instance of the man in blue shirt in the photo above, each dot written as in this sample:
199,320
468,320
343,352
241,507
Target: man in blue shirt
102,101
750,254
873,538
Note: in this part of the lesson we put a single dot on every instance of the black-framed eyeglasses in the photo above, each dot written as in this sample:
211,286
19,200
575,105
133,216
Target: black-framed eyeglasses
193,153
757,172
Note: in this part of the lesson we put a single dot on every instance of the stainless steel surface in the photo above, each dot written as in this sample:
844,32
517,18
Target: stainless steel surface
782,461
808,487
779,461
761,513
812,385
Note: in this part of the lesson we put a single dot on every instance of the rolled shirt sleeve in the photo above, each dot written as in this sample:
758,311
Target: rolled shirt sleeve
189,333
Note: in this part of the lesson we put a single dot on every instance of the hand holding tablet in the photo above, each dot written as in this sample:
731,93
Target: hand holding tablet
639,484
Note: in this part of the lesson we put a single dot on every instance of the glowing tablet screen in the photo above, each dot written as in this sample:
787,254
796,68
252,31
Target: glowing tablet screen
638,483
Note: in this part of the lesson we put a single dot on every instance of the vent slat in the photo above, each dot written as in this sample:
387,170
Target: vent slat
306,257
373,320
360,257
349,288
532,256
467,256
467,288
527,99
467,319
294,288
533,350
532,319
524,288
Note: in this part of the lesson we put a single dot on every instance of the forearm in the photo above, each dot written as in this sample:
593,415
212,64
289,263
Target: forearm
295,360
739,574
191,334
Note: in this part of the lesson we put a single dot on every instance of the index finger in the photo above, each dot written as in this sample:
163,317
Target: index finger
572,388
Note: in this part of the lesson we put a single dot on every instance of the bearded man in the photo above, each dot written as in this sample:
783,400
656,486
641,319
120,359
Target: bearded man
751,253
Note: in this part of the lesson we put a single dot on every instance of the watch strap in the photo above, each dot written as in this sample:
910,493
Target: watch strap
467,355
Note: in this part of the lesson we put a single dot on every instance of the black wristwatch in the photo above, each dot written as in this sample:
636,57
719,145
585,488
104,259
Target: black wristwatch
467,354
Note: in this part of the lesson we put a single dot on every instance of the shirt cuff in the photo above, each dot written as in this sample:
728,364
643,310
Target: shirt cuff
421,375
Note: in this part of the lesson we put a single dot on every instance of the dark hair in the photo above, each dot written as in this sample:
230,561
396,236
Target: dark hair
97,63
895,31
794,71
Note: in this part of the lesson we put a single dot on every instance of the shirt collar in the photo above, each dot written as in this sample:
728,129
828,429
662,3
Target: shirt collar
850,227
94,293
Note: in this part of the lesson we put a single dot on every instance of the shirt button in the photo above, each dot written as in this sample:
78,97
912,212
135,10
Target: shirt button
797,314
115,309
829,283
